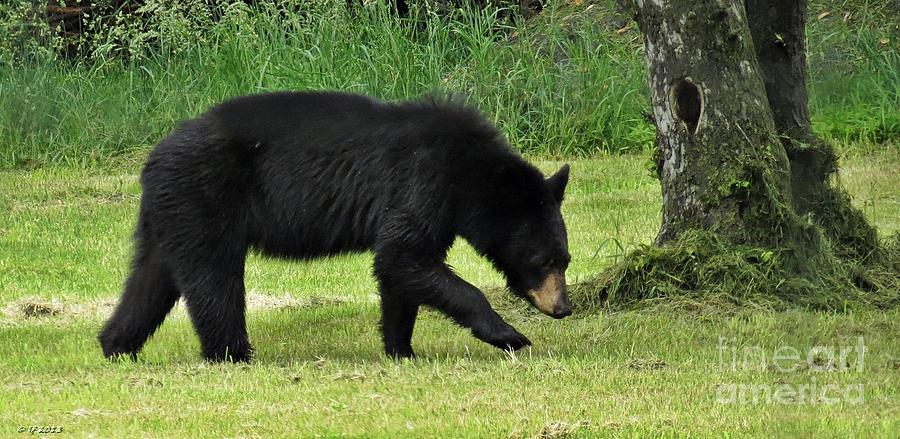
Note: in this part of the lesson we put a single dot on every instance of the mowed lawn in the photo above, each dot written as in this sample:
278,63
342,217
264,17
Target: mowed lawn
319,368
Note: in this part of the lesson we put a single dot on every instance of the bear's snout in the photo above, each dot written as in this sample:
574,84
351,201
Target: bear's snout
551,298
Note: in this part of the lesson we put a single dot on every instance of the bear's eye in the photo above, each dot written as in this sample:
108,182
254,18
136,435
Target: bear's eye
548,263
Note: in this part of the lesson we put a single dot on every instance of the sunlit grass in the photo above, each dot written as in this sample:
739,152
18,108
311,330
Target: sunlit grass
319,369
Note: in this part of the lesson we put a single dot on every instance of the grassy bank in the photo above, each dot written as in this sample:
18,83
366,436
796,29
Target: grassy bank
319,369
570,82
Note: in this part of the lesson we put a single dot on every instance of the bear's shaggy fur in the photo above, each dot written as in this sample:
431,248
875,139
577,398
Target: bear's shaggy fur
301,175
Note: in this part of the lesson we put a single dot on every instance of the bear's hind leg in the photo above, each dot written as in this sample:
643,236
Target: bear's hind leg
150,293
214,296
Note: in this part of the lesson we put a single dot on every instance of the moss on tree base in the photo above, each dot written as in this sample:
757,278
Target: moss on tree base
701,266
815,193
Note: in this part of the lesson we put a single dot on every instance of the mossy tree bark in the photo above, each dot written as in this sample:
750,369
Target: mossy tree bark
778,29
747,201
720,162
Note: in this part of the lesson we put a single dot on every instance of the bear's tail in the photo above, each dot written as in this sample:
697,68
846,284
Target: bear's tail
150,293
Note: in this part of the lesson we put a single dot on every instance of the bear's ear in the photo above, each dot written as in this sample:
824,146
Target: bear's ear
558,182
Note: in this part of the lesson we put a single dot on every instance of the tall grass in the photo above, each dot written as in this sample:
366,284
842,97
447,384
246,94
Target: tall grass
854,58
561,87
58,112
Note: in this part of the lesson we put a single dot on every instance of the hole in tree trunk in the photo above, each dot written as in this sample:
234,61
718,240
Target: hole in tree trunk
686,102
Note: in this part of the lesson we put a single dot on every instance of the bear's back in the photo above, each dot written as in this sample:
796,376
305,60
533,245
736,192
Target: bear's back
308,117
277,116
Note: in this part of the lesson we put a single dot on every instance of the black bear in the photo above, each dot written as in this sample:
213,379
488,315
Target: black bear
306,174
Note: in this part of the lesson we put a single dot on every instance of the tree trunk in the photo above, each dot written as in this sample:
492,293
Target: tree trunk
720,163
737,161
778,28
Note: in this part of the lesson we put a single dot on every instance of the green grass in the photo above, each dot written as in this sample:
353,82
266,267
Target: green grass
566,83
64,245
854,57
56,112
72,136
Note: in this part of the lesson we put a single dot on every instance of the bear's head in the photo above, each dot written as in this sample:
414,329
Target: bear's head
528,241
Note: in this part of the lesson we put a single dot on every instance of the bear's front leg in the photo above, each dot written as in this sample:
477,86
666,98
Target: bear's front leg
398,316
467,306
407,280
